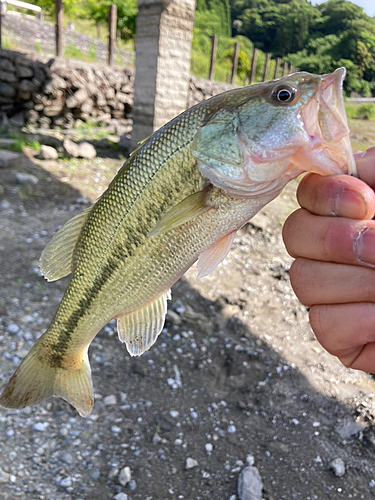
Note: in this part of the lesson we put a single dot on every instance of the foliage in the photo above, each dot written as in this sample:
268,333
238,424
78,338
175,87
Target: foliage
98,12
313,38
366,111
212,17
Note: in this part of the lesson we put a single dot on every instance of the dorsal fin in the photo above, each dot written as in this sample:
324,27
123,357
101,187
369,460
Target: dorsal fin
56,259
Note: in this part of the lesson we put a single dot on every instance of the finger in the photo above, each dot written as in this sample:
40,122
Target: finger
336,195
330,239
326,283
348,332
365,162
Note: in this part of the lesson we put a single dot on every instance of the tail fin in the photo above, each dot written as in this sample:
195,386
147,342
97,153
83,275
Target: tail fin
35,380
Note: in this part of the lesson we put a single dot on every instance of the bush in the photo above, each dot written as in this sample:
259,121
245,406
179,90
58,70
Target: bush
366,111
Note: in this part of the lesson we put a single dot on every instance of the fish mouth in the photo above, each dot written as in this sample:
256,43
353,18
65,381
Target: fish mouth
328,150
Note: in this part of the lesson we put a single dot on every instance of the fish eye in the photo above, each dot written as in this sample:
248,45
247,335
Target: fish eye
283,94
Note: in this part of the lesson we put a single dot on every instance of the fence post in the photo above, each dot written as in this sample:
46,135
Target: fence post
285,68
2,13
253,66
112,33
235,61
213,56
59,28
277,68
266,64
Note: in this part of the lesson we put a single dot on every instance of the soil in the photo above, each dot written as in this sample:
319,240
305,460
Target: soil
236,367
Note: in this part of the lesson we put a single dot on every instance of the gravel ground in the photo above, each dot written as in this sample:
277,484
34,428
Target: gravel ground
236,377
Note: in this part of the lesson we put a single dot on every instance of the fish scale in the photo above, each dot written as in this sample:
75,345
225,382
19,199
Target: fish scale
179,198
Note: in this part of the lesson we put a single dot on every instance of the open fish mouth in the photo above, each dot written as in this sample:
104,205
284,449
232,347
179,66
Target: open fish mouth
329,150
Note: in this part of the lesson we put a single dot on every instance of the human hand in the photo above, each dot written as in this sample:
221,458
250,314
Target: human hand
332,238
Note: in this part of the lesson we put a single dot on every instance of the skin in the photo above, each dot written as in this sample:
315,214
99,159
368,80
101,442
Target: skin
332,238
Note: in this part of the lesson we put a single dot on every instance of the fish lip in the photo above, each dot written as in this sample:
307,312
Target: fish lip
330,132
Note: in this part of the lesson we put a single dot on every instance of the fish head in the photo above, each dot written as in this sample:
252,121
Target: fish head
254,140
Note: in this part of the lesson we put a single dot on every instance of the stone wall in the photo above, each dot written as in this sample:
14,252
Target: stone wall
63,93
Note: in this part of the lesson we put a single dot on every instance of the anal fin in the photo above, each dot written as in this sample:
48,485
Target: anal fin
140,329
214,254
56,259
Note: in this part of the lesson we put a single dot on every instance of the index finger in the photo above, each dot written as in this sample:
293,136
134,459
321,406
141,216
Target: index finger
336,195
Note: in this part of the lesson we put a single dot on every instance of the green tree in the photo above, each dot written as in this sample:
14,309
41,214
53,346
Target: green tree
126,14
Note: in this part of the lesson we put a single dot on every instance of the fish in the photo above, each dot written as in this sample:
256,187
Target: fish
180,198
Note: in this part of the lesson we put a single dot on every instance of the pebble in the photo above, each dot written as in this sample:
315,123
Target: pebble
208,447
124,476
48,152
191,463
40,426
337,466
4,477
121,496
250,484
173,317
250,460
13,328
67,458
7,157
174,413
26,178
132,485
66,482
110,400
231,429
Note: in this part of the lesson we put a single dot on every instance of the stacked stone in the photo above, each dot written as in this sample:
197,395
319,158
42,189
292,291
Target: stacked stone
64,93
201,89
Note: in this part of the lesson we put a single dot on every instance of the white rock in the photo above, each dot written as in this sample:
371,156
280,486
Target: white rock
231,429
250,460
125,476
174,413
208,447
110,400
191,463
121,496
250,484
66,482
4,477
337,466
48,152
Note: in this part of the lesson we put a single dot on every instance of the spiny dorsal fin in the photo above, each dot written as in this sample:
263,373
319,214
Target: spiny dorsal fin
214,254
56,259
187,210
140,329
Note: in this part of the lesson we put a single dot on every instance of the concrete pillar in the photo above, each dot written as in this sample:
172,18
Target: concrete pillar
163,44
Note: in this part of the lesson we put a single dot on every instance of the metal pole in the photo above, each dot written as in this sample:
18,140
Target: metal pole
266,64
253,66
59,28
112,34
213,56
235,61
277,68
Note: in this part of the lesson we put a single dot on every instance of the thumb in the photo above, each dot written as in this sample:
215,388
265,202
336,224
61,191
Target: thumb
365,162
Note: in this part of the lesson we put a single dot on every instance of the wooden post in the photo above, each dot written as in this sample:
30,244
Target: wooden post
266,64
59,28
285,68
98,31
213,56
292,70
277,68
112,34
235,61
253,66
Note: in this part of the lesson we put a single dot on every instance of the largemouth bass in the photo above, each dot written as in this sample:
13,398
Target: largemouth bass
178,199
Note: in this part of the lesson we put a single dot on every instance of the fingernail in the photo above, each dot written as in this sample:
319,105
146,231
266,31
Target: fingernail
364,246
351,204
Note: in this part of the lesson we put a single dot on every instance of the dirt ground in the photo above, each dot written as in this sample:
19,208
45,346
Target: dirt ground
235,377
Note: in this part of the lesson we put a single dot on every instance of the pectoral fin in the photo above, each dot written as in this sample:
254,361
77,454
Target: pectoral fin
140,329
214,254
56,259
189,208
